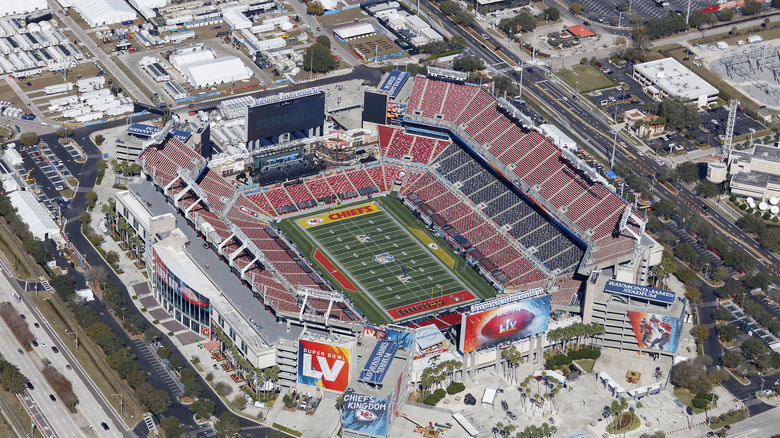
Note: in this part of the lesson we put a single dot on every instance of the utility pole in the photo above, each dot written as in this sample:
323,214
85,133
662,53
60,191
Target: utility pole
612,158
688,16
522,67
121,404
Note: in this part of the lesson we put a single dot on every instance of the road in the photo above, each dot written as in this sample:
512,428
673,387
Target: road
93,407
87,173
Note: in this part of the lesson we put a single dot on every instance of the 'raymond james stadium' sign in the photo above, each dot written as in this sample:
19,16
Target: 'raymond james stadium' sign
637,291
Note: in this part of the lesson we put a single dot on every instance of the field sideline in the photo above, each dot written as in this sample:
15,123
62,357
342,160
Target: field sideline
397,265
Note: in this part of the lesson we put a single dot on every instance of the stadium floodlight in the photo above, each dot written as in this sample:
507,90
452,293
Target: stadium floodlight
330,296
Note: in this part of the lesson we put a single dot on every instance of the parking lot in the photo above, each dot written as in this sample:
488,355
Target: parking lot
616,100
713,123
604,11
748,325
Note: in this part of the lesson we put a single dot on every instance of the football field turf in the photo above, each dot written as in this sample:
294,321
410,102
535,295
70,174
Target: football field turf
393,269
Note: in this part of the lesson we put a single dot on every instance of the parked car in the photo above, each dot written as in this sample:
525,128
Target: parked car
511,415
469,399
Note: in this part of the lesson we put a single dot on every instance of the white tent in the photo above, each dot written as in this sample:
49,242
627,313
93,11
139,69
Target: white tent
35,216
216,71
18,7
103,12
145,7
490,394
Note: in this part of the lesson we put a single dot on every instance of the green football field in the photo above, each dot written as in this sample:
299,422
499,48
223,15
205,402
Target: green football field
376,252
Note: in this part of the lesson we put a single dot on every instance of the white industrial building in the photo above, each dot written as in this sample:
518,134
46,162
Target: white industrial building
146,7
202,69
755,172
235,19
103,12
355,31
18,7
36,216
668,77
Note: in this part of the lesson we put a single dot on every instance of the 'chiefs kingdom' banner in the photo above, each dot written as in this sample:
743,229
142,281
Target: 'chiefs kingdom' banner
363,413
655,331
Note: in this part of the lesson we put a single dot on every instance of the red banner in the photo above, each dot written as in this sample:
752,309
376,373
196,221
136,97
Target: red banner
431,304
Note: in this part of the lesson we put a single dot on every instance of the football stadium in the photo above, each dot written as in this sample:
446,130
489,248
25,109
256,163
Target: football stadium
486,188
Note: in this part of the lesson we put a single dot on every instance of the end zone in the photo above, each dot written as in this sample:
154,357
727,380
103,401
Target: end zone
458,298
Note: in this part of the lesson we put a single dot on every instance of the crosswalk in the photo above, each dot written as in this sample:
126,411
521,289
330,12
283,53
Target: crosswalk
84,189
150,424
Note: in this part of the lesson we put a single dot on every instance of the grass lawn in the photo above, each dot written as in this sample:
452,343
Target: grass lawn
419,265
13,411
728,418
687,398
96,369
345,17
586,78
628,422
586,364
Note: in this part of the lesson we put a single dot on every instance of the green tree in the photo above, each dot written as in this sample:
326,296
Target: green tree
463,18
733,359
707,189
457,42
239,401
701,332
153,399
99,139
223,389
753,348
751,7
315,8
202,408
175,362
324,40
11,379
173,428
622,7
189,379
467,64
552,14
576,8
685,251
722,314
720,273
112,257
728,14
318,58
29,139
227,425
699,17
688,171
449,7
751,224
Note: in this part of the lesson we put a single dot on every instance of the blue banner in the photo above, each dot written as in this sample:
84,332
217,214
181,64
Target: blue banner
637,291
394,82
402,338
378,363
366,414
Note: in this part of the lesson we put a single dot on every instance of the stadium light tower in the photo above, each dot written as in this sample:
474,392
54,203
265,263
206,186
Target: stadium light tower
729,135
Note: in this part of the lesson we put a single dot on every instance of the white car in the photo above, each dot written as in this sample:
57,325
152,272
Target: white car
697,57
711,48
59,188
740,43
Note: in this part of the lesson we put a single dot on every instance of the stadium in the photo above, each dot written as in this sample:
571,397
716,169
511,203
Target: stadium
521,211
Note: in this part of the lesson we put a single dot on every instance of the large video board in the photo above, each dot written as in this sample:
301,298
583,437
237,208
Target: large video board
285,113
505,319
655,331
322,365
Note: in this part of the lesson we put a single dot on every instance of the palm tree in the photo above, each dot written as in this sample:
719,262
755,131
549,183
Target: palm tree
340,402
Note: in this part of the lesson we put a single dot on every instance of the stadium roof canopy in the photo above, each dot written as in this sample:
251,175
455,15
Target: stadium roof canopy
102,12
17,7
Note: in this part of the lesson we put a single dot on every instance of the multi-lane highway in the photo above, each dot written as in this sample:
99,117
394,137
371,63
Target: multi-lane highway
93,408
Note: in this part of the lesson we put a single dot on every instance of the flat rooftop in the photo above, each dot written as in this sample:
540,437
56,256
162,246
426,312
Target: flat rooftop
395,369
759,152
675,78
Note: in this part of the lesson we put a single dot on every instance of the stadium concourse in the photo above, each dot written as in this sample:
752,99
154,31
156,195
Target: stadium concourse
562,227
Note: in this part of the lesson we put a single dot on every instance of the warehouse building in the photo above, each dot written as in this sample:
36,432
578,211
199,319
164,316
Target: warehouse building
202,69
756,173
351,32
18,7
157,72
103,12
668,77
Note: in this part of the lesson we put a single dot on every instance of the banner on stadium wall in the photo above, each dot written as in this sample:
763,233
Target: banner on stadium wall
403,338
655,331
374,332
338,215
395,113
366,414
504,323
322,365
428,340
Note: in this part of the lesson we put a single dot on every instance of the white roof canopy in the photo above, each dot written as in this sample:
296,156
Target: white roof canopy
35,216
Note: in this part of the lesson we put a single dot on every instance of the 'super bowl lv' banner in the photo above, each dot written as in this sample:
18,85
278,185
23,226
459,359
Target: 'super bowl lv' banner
338,215
655,331
322,365
366,414
505,323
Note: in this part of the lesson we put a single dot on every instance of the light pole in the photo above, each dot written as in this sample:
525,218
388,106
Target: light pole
77,338
121,404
